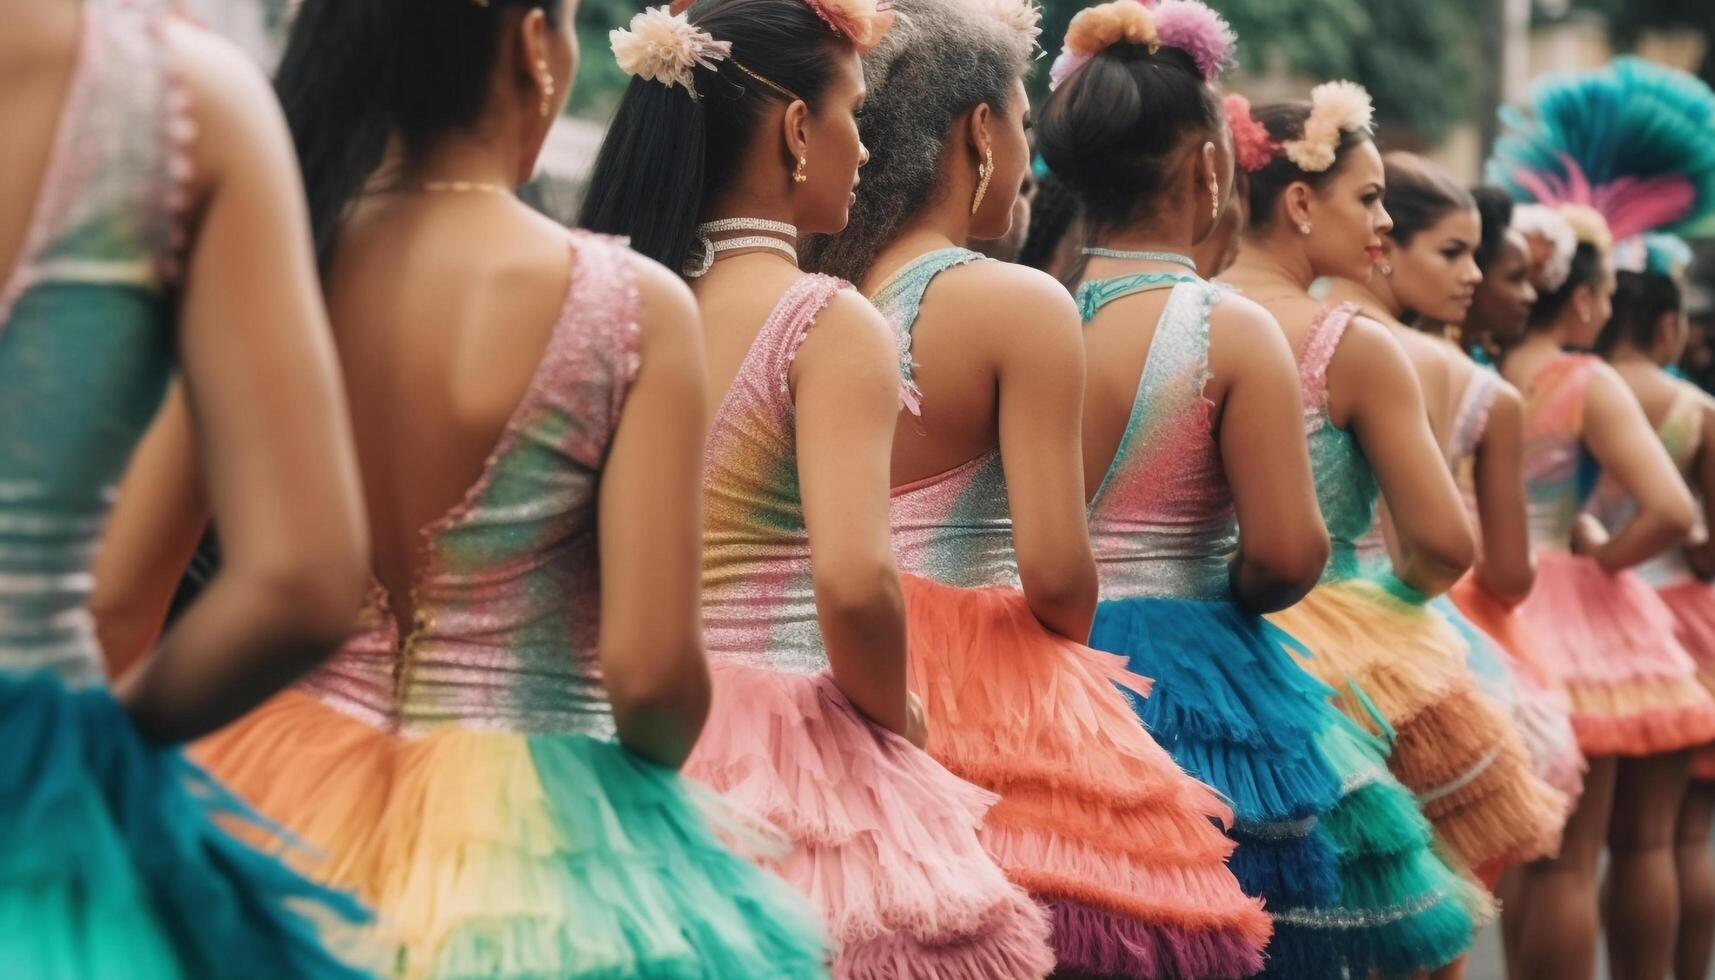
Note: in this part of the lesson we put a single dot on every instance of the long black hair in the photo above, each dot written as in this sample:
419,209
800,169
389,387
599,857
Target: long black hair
667,152
358,74
1110,130
1495,208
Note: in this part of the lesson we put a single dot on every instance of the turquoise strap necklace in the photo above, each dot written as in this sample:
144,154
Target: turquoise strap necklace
1172,258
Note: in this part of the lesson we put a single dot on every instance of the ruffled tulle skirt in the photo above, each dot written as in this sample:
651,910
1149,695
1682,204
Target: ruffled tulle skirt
1693,606
1094,818
1233,708
882,839
1632,686
1509,666
113,864
499,854
1455,749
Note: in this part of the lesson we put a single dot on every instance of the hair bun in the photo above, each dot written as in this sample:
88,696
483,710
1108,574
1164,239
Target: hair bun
1188,25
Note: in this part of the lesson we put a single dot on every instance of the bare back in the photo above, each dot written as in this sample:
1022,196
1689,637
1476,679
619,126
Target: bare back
38,58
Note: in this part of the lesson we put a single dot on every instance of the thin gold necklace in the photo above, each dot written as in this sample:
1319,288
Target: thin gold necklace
465,186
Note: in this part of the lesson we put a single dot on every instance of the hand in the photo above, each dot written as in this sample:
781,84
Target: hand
916,723
1588,536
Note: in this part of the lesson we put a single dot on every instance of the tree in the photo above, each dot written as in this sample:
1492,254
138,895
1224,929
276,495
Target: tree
1629,19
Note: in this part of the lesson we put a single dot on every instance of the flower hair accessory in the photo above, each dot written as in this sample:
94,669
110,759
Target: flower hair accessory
1589,226
862,22
1023,16
1335,108
1552,242
665,47
1196,29
1095,29
1253,148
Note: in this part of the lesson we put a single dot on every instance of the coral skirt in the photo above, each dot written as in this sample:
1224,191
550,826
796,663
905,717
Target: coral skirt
1633,687
1693,606
882,839
1094,817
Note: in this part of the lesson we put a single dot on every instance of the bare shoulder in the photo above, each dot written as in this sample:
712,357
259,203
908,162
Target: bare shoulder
1007,292
234,107
849,325
666,310
1369,350
1236,319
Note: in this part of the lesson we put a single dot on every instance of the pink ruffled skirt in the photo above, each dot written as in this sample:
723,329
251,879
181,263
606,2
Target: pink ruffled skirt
1693,606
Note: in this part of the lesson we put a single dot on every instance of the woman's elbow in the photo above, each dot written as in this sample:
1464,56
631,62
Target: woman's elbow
661,701
1511,584
1292,570
854,590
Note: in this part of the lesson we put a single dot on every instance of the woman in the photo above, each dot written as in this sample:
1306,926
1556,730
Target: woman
988,523
528,408
131,250
739,132
1316,210
1645,335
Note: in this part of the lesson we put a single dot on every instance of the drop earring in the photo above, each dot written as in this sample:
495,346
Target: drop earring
985,170
800,175
546,78
1214,200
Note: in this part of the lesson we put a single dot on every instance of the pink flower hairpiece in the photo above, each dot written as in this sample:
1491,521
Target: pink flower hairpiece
862,22
1189,25
1023,16
1335,108
1253,148
666,47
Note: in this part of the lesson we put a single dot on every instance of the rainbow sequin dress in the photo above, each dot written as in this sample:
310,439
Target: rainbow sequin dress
1632,686
1094,818
463,773
883,839
116,858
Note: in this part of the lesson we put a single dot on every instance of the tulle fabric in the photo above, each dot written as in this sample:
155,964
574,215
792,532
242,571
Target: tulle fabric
1539,705
1693,606
1632,686
1094,817
113,863
498,854
1233,708
1455,749
883,839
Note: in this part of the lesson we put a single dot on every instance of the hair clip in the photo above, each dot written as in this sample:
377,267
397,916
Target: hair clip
1335,108
1253,148
665,47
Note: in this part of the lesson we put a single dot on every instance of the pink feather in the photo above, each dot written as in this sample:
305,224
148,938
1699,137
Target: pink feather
1197,30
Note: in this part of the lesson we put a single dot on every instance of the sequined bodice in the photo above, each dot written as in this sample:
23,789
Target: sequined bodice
1162,520
759,601
1556,467
86,332
1681,432
954,527
1346,487
507,592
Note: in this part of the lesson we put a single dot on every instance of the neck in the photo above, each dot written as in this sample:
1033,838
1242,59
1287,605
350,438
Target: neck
745,200
932,229
1629,353
476,158
1276,257
1145,239
1381,288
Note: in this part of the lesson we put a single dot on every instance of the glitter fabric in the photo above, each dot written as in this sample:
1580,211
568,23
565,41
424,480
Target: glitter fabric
117,855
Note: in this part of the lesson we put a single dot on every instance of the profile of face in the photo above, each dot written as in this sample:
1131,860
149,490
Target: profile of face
553,44
832,151
1436,272
1345,216
1503,299
1592,305
1008,141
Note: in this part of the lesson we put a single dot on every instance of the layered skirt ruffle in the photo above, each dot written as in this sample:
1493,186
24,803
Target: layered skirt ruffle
1457,750
116,861
1693,606
500,854
1632,686
1236,712
883,841
1094,818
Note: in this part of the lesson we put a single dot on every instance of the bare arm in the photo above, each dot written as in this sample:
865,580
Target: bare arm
160,514
1619,435
1702,553
270,419
1283,543
1385,408
1506,569
1041,425
846,388
651,528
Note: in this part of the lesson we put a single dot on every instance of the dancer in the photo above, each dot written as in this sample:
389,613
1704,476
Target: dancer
739,131
1428,274
1316,185
528,406
1644,336
1637,706
122,124
1095,819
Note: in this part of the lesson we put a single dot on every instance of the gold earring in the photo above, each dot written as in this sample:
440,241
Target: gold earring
799,175
1214,200
985,170
546,78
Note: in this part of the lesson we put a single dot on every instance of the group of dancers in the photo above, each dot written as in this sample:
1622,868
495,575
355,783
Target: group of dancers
1277,585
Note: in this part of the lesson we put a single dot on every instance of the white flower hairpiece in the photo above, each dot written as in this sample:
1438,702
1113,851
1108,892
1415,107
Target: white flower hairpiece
1539,221
664,47
1335,108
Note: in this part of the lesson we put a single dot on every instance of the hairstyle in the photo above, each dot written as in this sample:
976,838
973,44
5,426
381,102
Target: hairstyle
1285,122
668,150
1640,301
1585,269
1418,195
1113,126
1495,208
942,59
1052,215
355,75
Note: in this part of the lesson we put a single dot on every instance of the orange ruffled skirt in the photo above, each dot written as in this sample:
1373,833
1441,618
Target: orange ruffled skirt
1457,750
1094,818
1693,606
1633,688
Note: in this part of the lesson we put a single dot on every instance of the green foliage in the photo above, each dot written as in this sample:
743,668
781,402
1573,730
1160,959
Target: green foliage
600,83
1628,19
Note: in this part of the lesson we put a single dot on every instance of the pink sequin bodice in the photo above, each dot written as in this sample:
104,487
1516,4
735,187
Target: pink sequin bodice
1557,472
